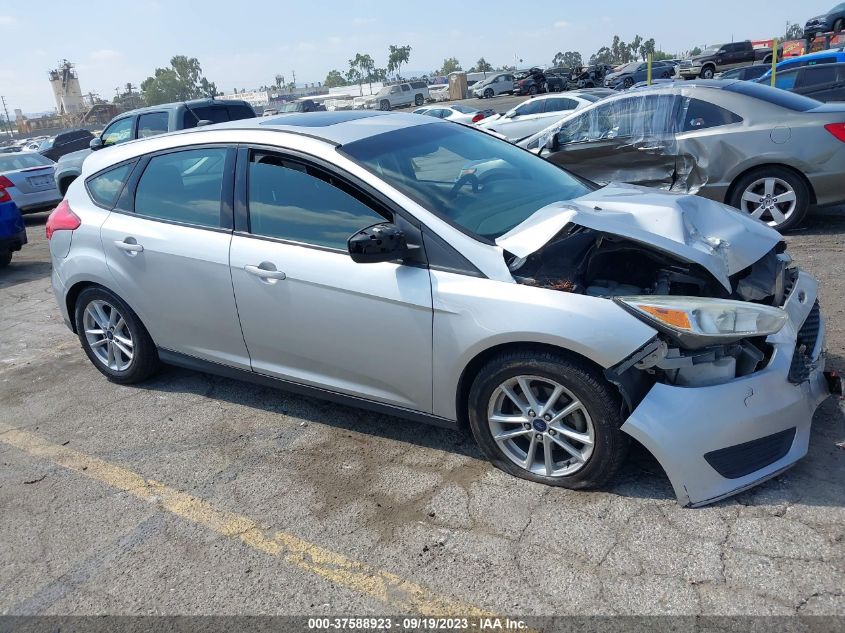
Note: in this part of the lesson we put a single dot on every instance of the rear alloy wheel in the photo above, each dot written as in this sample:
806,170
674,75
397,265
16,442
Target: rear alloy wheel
113,337
488,94
776,196
548,418
418,100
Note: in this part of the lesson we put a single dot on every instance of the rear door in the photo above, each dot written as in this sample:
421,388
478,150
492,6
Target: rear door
167,246
821,82
309,313
625,140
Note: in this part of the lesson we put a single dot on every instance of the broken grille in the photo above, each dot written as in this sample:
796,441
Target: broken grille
802,360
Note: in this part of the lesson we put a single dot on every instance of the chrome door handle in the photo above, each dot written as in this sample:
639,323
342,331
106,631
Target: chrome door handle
264,273
129,246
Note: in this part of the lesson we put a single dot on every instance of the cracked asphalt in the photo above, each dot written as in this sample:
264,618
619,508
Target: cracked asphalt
350,512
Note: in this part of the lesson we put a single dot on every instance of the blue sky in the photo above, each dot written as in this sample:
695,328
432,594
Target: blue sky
245,44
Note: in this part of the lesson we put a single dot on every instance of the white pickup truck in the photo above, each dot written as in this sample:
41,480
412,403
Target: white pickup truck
397,95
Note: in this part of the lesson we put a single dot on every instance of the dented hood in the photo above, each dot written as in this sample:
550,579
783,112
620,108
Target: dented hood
697,230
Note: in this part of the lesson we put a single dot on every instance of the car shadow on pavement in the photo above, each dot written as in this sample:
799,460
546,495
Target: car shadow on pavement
825,221
20,272
811,482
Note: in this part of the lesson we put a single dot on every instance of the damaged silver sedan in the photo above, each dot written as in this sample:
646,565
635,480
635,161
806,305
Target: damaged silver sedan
429,270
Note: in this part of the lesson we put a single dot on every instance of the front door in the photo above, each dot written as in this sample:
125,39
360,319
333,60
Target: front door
308,312
168,252
626,140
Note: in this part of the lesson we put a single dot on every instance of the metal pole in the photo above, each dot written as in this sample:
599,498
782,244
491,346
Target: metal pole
7,124
774,61
648,73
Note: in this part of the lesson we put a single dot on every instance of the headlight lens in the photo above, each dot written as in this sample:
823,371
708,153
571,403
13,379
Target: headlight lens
706,320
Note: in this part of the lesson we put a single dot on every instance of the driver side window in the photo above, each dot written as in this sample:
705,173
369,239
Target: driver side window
118,132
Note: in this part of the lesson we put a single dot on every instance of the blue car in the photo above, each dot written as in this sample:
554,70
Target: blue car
830,56
12,229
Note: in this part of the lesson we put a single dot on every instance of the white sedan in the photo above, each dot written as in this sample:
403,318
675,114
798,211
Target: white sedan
536,114
458,113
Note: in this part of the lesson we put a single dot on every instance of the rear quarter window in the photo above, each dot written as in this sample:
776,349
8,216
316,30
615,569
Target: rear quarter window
105,187
238,112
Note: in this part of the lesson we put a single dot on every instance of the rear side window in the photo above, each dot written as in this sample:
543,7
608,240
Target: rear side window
238,112
816,75
152,124
183,187
290,201
700,115
782,98
215,114
105,187
557,104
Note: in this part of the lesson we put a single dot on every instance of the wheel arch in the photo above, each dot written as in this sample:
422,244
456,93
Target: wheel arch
748,169
475,364
65,181
72,295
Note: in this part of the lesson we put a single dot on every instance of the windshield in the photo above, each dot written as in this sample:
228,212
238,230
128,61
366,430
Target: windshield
45,144
23,160
463,109
479,183
711,50
291,107
384,91
629,68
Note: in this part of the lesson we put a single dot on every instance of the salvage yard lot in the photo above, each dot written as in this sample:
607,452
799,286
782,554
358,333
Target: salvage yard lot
195,494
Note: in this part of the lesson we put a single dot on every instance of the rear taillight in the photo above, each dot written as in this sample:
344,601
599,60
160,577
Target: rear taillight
62,219
5,183
837,129
477,117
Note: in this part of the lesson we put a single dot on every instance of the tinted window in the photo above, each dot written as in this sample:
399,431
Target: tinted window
22,160
290,201
152,124
782,98
786,81
215,114
816,75
105,188
238,112
118,132
500,185
535,106
700,115
406,88
556,104
183,186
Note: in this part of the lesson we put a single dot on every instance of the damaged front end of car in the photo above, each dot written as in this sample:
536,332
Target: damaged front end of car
724,394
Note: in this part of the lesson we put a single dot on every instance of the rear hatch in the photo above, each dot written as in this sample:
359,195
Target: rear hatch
32,179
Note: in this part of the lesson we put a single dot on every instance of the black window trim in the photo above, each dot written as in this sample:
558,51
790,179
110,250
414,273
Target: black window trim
126,200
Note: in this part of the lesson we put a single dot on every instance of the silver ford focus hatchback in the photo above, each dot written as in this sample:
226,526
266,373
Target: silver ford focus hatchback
425,269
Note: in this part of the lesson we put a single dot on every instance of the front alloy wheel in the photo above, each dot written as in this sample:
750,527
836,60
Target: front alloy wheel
541,426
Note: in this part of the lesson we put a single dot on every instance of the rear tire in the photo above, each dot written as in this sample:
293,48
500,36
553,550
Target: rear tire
113,337
749,195
628,82
418,100
597,419
5,259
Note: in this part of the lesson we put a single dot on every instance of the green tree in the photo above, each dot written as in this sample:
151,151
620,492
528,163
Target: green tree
481,66
334,79
450,65
569,59
793,32
361,70
695,51
647,48
602,56
181,81
398,56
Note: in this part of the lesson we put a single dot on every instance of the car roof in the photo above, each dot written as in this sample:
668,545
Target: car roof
338,127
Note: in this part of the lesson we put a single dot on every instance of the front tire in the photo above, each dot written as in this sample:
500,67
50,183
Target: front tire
707,72
488,94
839,25
532,90
384,105
113,337
548,418
776,195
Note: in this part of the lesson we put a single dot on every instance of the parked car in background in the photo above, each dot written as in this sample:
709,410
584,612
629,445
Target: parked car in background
395,96
12,228
439,92
537,113
554,320
301,105
833,20
65,143
493,86
830,56
151,121
589,77
270,112
530,82
636,72
746,73
26,178
824,82
455,112
723,57
770,153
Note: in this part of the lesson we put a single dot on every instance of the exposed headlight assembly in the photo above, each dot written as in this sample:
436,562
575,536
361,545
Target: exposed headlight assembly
695,322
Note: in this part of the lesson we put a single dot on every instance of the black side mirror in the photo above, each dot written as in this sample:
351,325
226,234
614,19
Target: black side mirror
204,122
553,144
378,243
96,143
